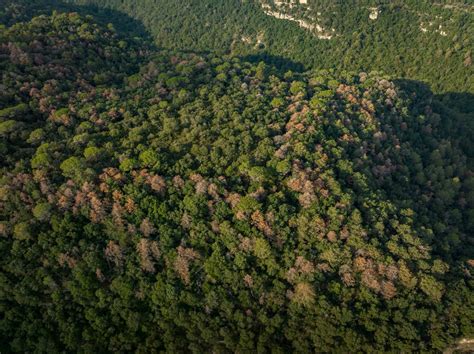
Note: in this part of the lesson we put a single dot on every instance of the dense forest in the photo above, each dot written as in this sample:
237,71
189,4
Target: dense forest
160,197
414,39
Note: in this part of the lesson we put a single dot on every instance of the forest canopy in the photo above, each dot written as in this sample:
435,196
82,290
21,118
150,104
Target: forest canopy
154,199
425,40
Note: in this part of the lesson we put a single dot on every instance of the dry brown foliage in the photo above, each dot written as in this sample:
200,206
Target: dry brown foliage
260,223
248,280
65,259
233,199
148,251
178,182
181,263
388,290
113,253
130,205
146,227
157,183
245,244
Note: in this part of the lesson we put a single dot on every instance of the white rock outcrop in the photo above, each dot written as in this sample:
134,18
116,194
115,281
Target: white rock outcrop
374,13
318,30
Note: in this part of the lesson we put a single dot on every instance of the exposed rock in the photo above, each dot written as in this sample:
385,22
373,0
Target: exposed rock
374,13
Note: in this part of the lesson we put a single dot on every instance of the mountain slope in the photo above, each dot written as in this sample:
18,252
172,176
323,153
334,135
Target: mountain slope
412,39
165,201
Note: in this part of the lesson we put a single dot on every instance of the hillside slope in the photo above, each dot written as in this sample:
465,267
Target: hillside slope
412,39
161,201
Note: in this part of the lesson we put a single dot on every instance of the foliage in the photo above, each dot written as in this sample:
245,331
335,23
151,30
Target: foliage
415,39
160,201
